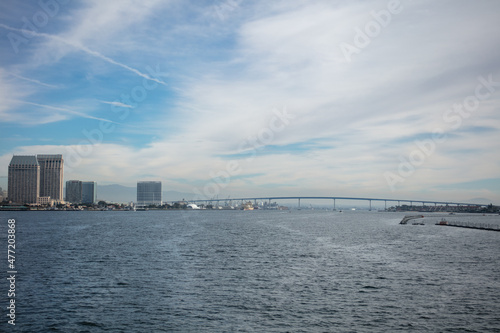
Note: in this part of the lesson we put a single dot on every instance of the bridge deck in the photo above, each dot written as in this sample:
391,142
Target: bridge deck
342,198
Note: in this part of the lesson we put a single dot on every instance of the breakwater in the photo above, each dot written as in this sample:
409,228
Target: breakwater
469,225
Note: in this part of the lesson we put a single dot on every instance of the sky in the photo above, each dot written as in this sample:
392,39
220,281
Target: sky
387,99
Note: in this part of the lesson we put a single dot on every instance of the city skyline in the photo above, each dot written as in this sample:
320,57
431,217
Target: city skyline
27,186
234,98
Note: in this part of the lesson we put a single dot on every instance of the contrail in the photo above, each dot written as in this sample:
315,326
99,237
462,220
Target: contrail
34,81
66,110
116,103
84,49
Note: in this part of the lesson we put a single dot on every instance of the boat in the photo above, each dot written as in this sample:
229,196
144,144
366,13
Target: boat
442,222
418,223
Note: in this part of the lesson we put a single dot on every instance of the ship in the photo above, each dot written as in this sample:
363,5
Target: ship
247,206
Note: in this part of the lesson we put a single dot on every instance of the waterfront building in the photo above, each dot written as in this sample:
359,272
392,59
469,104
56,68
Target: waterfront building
149,193
74,191
51,176
24,179
45,201
89,192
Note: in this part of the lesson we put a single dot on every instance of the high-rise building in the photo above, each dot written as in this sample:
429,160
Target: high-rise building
51,176
32,177
89,192
24,179
74,191
149,193
81,192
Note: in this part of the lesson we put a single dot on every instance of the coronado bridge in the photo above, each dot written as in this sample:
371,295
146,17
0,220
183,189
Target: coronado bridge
335,199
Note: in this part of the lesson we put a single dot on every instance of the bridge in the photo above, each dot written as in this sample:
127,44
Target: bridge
399,201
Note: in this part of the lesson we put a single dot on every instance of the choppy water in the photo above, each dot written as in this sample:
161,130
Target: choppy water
250,271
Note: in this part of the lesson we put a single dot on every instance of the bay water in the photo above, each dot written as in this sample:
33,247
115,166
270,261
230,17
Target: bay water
250,271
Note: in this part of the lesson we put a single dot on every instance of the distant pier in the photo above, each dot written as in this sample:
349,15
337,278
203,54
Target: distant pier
458,224
479,226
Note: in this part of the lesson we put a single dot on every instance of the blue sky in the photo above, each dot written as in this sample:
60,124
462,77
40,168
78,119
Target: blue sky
227,98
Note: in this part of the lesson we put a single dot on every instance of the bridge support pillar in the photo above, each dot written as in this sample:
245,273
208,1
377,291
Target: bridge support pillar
299,203
370,205
334,208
